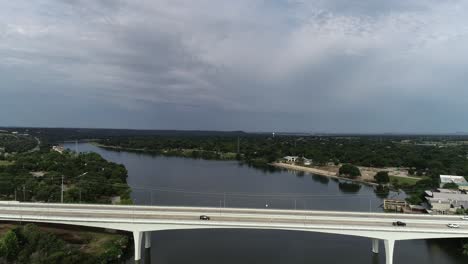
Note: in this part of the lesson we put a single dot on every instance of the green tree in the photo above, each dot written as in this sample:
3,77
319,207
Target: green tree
349,170
10,245
465,249
382,177
450,185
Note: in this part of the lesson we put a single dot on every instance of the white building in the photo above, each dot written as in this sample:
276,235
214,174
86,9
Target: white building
59,149
460,180
291,158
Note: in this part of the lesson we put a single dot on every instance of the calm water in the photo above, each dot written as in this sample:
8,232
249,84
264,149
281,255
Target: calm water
178,181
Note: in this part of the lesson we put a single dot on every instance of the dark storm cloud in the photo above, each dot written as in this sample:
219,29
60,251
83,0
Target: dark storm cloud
248,64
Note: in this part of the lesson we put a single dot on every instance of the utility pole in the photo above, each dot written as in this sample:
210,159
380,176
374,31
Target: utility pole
61,196
24,193
15,195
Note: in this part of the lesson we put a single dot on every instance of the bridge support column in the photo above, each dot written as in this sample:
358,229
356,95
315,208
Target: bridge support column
137,238
147,240
375,246
389,247
148,247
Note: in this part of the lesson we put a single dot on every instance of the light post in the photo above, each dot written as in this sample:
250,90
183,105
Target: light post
61,195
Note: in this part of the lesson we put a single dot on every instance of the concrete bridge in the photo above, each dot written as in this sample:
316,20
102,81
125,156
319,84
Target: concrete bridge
142,220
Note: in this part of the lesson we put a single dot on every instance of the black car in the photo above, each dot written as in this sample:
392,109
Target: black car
399,223
204,217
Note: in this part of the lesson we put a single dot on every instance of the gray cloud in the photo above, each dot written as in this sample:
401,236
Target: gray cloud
248,64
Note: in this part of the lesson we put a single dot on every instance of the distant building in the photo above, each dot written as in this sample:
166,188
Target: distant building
37,174
59,149
291,158
459,180
307,162
395,205
446,201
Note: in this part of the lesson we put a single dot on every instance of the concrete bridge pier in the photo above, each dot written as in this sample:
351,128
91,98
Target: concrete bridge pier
148,247
137,239
389,247
375,246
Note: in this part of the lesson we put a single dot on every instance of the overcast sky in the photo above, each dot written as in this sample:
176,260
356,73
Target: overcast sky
254,65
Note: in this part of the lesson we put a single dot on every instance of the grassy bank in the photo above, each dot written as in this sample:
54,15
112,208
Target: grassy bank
403,181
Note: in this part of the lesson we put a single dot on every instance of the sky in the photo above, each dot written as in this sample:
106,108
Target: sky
338,66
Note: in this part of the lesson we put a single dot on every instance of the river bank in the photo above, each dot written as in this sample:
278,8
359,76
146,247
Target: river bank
319,172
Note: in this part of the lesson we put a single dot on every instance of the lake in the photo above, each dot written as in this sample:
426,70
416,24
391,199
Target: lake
161,180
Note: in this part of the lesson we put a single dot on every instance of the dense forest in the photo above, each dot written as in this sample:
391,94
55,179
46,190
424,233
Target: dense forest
360,151
16,143
36,176
87,177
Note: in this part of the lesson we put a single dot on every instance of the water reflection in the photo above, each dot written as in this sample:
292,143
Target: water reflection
382,191
320,179
349,187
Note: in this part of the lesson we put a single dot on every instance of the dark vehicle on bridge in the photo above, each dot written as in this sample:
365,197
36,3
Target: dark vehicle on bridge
204,217
399,223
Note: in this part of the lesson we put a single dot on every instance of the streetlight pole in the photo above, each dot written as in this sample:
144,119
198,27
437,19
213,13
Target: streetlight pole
61,195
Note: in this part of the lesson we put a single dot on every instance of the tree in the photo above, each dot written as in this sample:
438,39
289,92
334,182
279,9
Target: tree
450,185
300,161
350,171
382,177
465,249
10,246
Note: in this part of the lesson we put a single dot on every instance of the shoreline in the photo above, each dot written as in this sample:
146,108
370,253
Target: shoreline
319,172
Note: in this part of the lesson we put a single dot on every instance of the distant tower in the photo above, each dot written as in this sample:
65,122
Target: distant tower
273,134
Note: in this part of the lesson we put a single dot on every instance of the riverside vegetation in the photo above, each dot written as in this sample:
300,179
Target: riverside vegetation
37,177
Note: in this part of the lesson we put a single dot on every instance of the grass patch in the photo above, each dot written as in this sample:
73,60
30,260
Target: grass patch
6,163
403,180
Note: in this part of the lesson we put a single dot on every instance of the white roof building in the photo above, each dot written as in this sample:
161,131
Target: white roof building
460,180
291,158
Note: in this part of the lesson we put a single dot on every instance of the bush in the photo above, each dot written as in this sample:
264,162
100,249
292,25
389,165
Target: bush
382,177
350,171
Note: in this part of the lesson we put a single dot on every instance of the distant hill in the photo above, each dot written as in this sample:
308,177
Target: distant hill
64,134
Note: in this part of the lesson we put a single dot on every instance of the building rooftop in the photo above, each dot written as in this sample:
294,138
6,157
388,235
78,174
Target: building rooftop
453,179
